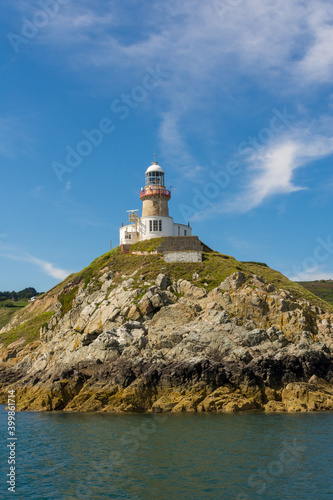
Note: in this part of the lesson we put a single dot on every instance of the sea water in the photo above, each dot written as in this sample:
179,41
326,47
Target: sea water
170,456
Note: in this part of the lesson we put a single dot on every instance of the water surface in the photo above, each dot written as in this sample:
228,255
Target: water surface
185,456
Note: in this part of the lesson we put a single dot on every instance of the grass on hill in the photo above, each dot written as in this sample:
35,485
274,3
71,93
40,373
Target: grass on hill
214,269
29,330
148,245
6,313
321,288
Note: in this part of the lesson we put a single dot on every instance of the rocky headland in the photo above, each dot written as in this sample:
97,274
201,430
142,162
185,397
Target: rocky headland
133,333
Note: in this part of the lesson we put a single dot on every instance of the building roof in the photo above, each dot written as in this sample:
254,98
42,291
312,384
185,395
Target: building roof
154,167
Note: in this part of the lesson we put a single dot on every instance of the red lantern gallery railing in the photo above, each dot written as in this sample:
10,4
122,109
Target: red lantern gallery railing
155,192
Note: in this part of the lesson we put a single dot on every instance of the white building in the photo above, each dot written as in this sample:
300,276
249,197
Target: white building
155,221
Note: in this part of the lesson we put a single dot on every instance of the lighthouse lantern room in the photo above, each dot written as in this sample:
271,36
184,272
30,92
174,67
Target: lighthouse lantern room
155,221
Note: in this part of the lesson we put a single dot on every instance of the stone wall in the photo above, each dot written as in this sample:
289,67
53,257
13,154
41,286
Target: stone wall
181,243
189,256
155,205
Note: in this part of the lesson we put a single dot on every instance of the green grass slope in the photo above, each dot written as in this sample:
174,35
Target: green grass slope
6,313
322,289
214,269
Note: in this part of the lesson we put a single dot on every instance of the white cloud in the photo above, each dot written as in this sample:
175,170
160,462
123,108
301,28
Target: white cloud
311,275
47,267
272,171
13,137
317,63
282,46
175,149
268,173
195,41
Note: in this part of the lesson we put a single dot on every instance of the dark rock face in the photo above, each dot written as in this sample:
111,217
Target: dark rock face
175,347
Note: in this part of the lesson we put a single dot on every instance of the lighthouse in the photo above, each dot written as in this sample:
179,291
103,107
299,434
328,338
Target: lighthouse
155,221
155,197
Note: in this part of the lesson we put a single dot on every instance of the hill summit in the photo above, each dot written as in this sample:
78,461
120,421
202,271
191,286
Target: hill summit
135,333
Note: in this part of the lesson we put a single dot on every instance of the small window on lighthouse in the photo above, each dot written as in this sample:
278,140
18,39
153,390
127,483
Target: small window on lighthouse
155,225
150,225
160,225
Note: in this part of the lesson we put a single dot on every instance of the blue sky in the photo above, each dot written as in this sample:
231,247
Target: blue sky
235,96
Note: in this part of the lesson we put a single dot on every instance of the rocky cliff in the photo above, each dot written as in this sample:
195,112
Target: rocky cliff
132,333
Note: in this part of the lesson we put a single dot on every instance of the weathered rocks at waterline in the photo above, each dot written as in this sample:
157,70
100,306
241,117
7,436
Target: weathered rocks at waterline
127,344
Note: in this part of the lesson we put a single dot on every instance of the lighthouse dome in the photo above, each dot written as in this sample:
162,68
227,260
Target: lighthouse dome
155,175
154,167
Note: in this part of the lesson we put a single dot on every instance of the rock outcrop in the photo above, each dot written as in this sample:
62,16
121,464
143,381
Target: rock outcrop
168,346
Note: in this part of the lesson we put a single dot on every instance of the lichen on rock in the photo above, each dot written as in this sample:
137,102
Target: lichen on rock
127,344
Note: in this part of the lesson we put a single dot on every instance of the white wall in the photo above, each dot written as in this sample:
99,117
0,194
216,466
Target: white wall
130,230
167,227
181,230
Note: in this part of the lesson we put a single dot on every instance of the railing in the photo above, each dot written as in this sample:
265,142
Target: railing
156,191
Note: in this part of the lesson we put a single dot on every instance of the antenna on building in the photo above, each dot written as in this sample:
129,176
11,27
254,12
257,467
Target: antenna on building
154,152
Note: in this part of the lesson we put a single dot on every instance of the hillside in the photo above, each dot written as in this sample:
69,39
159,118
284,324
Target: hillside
12,302
214,269
322,289
134,333
7,311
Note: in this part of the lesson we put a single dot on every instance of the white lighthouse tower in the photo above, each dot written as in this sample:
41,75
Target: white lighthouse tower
155,221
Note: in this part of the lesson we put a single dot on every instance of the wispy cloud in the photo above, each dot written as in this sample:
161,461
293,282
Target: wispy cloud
194,40
175,149
317,62
272,171
13,136
269,172
202,50
47,267
311,275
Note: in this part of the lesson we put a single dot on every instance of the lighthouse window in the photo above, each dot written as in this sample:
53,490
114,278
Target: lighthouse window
155,178
155,225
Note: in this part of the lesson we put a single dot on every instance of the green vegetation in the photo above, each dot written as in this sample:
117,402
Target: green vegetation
148,245
210,273
25,294
256,263
8,309
28,330
97,265
7,303
66,300
322,289
214,269
13,302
